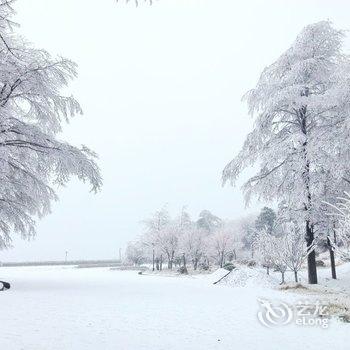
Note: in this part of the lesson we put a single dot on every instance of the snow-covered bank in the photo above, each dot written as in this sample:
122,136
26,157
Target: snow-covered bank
89,309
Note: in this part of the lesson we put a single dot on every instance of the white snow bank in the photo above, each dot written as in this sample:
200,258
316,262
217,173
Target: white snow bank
244,276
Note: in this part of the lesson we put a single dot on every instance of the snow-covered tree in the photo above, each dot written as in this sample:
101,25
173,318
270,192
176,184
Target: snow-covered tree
246,230
194,243
286,251
266,220
32,110
163,233
294,248
341,213
208,221
221,243
301,104
263,245
158,221
272,252
168,242
184,220
135,253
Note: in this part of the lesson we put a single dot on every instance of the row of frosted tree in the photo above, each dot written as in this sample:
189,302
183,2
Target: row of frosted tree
210,242
181,241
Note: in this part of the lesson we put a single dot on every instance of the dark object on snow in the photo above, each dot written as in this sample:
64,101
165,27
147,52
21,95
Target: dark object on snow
204,266
249,263
183,270
4,285
331,248
229,266
140,272
320,263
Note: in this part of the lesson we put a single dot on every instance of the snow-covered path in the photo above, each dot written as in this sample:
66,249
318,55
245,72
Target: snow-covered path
55,308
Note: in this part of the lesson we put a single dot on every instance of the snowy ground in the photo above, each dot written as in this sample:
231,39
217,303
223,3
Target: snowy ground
51,308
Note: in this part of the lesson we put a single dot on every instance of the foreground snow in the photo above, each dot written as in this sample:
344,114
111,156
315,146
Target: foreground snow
63,308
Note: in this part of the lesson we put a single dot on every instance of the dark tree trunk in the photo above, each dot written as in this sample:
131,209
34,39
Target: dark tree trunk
221,259
309,234
332,259
161,263
170,261
296,276
282,282
267,270
311,258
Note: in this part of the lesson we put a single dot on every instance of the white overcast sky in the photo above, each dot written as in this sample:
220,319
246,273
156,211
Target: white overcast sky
161,90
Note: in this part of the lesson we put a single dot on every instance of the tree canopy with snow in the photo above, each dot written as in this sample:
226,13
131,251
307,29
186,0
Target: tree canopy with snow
266,220
33,160
300,142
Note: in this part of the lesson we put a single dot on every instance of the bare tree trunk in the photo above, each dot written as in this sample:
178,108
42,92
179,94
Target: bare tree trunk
161,262
282,282
296,276
332,258
309,234
267,270
221,259
170,260
184,260
311,258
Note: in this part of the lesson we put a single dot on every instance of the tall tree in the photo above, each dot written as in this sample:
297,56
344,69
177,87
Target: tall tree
32,110
266,220
301,104
135,253
193,244
208,221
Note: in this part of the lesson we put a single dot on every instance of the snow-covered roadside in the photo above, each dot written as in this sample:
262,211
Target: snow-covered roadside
334,293
58,308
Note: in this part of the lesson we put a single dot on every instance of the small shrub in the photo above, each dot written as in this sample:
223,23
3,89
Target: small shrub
203,266
183,270
229,266
320,263
251,263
